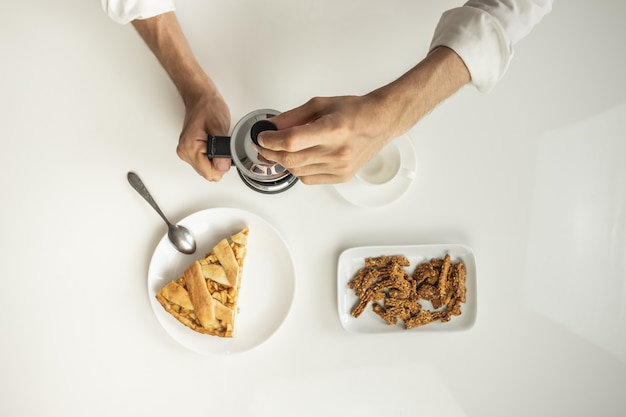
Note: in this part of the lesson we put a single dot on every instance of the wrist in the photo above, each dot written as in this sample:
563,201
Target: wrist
195,88
406,100
391,109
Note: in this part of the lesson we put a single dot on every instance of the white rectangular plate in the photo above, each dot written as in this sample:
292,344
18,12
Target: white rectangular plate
351,260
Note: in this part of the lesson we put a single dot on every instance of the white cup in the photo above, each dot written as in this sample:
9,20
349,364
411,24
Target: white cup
383,167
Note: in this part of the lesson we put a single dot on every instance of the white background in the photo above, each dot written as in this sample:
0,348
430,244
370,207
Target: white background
530,176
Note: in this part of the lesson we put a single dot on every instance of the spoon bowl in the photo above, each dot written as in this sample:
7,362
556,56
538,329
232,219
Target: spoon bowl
180,237
185,242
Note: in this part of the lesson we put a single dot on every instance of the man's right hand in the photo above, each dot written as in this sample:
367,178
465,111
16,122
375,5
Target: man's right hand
205,114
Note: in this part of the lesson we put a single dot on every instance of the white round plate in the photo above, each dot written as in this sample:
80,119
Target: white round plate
267,286
363,194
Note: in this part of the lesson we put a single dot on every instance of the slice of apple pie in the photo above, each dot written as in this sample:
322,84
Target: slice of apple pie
205,297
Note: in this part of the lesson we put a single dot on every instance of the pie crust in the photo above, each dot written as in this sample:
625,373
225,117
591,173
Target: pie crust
205,297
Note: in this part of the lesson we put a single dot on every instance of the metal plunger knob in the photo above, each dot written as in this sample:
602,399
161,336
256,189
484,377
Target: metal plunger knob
259,127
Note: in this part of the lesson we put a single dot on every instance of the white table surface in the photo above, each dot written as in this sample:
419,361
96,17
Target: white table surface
531,176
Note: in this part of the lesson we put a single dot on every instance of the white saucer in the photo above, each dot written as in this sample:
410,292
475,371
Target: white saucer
365,194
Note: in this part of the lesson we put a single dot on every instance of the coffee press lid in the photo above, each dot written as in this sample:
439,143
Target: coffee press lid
245,157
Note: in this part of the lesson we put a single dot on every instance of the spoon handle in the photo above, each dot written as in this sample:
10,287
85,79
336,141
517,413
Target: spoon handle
138,185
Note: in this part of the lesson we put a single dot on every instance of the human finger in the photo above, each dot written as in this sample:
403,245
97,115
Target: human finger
297,138
298,127
319,179
195,155
300,115
210,169
315,161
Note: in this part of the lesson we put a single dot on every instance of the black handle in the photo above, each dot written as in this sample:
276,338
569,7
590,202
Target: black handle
218,147
259,127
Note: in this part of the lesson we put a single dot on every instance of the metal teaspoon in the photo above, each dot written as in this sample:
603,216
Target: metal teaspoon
180,236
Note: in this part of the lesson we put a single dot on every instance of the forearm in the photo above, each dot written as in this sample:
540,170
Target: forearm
409,98
206,112
166,40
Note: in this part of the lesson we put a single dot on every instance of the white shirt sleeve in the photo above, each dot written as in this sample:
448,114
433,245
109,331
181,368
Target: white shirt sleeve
483,33
124,11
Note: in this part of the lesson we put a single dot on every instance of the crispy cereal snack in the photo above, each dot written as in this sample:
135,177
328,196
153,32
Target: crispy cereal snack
396,295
